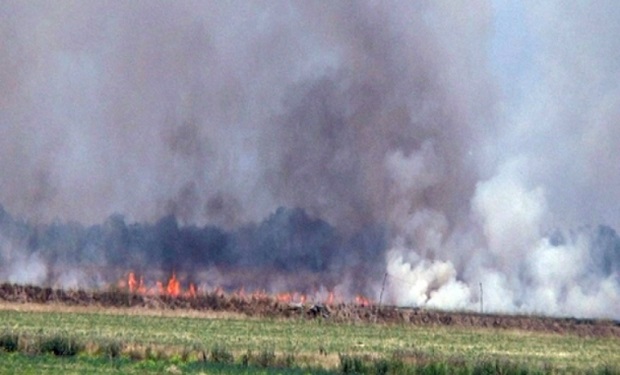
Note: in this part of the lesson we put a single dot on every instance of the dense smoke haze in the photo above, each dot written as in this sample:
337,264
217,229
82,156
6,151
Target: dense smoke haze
317,146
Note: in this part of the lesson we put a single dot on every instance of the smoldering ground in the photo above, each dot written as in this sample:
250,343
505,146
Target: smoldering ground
399,137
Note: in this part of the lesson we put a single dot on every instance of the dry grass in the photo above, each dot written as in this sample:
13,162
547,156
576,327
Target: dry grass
233,306
129,311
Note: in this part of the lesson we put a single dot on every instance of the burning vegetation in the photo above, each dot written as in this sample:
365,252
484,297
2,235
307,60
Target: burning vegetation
258,304
173,288
290,256
316,146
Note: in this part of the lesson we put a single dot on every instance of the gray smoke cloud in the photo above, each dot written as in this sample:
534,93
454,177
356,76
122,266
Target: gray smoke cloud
363,114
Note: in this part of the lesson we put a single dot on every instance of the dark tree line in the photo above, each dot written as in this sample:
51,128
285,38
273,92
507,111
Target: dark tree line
288,241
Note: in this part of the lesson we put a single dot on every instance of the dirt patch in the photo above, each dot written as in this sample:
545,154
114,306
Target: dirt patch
218,303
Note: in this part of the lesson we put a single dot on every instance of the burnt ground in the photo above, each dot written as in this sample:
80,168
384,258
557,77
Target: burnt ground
271,308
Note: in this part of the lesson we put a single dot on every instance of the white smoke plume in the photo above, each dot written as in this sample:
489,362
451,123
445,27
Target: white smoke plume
20,267
451,145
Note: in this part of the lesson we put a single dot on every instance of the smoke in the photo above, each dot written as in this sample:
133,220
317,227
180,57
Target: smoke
451,146
289,250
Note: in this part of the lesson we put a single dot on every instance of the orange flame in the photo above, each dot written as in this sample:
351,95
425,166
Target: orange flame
219,292
174,286
160,288
284,297
171,288
362,301
330,298
240,293
131,282
260,295
191,291
288,297
135,286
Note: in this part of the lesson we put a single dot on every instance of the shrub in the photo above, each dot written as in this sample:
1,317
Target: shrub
606,370
484,367
112,349
136,354
161,354
9,342
220,354
489,367
351,364
185,354
382,366
60,346
266,358
149,353
434,368
289,360
246,358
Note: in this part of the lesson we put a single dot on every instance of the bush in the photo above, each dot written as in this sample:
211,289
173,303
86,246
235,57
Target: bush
289,360
60,346
502,367
220,354
351,364
9,342
382,366
185,354
149,354
434,368
136,354
246,358
266,358
605,370
112,349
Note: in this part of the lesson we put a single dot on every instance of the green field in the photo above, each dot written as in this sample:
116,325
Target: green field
176,342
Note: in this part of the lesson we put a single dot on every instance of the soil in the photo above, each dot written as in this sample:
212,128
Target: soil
264,306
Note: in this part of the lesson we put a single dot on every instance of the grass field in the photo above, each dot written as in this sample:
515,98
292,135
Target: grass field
149,341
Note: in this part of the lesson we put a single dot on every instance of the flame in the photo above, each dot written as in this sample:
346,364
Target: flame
173,288
240,293
362,301
219,292
260,295
284,297
330,298
131,281
191,291
136,286
291,297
